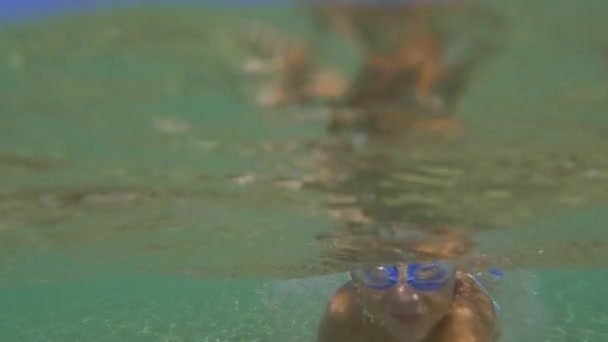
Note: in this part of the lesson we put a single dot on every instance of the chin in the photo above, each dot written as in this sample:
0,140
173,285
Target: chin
407,331
408,337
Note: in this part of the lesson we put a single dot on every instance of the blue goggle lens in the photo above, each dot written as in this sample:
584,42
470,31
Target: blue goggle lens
429,277
381,277
426,277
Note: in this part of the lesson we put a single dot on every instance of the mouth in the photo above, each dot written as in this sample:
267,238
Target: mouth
406,318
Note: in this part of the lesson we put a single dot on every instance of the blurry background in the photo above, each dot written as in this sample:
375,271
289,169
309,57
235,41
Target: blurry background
146,193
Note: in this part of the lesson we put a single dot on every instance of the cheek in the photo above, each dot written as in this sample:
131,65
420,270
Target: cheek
438,303
374,301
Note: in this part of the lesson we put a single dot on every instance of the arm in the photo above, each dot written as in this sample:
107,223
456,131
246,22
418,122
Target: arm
466,325
473,318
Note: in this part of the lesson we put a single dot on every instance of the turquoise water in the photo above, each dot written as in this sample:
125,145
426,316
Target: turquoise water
144,198
553,306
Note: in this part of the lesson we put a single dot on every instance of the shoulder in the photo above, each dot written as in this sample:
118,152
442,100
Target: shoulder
470,293
473,308
342,315
343,305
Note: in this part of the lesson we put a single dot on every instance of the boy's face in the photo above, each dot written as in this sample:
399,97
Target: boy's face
408,313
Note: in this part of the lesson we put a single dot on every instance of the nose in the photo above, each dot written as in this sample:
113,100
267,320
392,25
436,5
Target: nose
406,293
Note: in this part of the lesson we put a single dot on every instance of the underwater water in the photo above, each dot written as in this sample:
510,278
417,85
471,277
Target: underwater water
145,197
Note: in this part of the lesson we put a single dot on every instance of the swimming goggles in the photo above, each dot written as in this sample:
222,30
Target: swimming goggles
421,277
